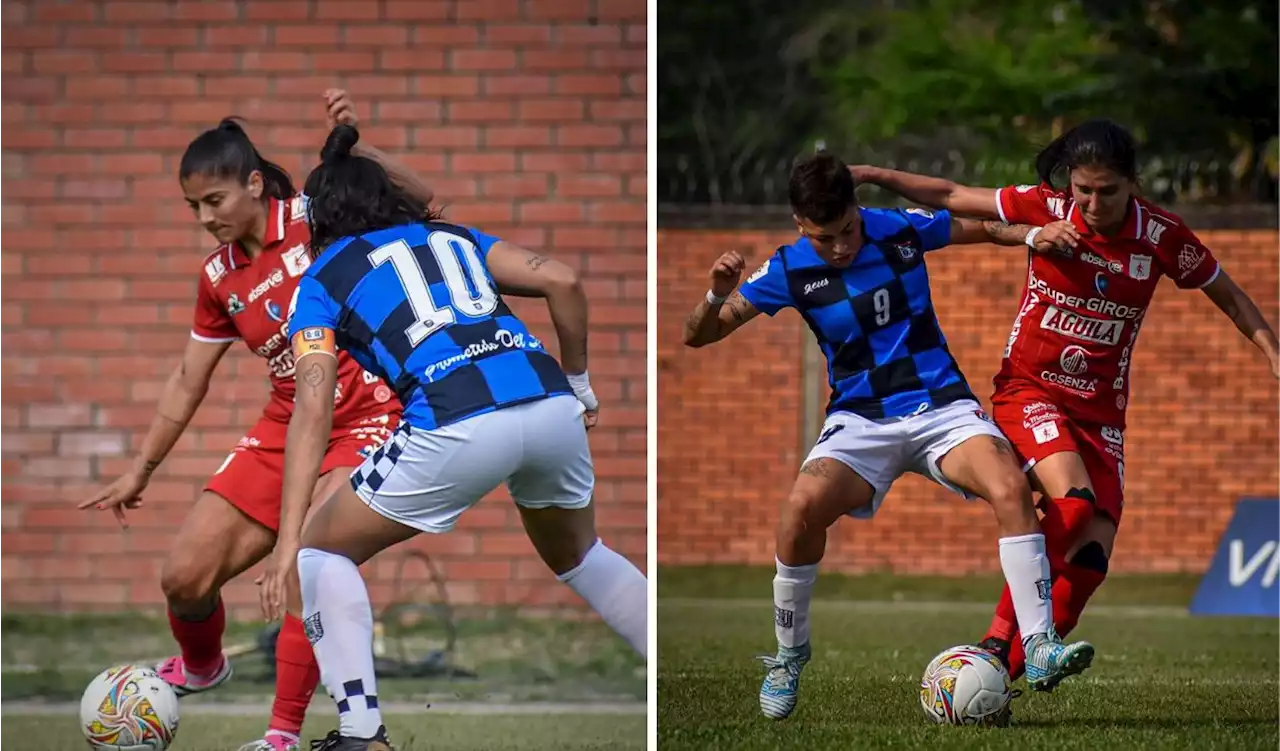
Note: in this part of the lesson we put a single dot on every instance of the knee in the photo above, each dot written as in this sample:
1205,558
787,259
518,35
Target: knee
185,580
803,512
1010,496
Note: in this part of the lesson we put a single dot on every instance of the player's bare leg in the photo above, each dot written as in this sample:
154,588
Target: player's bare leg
825,490
342,534
297,673
567,542
987,467
1068,503
216,543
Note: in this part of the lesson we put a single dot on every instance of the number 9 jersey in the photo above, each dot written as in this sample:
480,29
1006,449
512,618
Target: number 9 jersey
416,305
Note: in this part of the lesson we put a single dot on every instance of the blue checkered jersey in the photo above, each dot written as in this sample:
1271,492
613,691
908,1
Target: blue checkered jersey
417,306
886,356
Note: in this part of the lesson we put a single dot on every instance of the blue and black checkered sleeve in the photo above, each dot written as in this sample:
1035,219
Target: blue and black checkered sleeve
312,307
767,287
933,226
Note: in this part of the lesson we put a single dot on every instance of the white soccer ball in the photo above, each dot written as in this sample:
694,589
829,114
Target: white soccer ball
129,708
964,686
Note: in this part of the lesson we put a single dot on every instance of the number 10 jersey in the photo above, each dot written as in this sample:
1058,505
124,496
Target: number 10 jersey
416,305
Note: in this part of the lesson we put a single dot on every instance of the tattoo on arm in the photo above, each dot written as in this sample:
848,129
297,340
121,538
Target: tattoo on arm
314,376
1013,234
737,305
150,466
535,262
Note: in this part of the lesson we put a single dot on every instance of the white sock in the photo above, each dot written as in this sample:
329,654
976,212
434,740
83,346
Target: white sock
792,590
339,625
615,589
1026,569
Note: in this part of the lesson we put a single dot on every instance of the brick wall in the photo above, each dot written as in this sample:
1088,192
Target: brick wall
1203,423
528,117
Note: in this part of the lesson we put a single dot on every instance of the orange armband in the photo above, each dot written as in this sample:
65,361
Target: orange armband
313,340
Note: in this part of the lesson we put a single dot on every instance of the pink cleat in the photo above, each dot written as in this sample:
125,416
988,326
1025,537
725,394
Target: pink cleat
274,741
174,672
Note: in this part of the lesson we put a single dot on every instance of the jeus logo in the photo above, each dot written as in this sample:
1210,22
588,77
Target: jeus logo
811,286
1242,576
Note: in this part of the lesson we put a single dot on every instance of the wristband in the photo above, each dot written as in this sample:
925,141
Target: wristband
1030,239
714,299
581,385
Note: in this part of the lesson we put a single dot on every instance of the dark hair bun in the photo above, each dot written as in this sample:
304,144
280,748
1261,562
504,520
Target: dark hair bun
338,144
231,124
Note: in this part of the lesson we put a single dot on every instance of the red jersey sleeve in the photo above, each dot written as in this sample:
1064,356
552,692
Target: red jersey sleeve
1028,204
1185,259
210,321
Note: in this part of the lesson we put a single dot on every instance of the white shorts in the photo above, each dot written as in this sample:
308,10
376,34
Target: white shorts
883,450
425,479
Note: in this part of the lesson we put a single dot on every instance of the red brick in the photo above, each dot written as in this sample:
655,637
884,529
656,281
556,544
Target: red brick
589,135
498,35
488,10
396,36
411,60
516,85
450,35
561,10
417,10
482,111
488,161
552,110
279,10
446,86
307,35
482,59
166,36
237,36
446,137
61,13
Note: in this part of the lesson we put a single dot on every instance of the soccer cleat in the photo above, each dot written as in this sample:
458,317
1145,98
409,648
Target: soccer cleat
335,741
781,688
174,672
997,647
273,742
1049,661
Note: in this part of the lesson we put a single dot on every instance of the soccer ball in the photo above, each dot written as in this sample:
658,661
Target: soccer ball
129,708
964,686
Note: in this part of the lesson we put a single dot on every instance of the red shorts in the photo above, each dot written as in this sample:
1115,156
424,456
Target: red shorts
1038,429
252,476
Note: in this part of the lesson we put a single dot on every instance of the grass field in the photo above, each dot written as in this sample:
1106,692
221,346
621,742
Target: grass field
514,666
1162,680
409,732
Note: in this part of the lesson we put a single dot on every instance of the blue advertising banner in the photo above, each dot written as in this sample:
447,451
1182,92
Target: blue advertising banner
1241,580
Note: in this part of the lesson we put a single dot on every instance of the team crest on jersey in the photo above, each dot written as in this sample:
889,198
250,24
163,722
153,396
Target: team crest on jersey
234,305
1140,267
216,269
760,272
296,260
299,208
906,251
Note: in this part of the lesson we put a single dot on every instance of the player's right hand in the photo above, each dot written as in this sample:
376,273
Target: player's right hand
1058,235
122,494
726,272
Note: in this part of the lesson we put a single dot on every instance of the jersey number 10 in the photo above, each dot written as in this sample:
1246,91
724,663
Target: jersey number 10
469,290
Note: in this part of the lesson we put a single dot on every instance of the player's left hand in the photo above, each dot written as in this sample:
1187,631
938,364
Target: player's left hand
1056,236
340,109
272,584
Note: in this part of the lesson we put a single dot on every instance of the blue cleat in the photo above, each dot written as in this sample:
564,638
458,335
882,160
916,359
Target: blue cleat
781,688
1049,661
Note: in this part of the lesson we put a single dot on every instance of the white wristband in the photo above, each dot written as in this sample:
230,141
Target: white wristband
713,299
1030,239
581,385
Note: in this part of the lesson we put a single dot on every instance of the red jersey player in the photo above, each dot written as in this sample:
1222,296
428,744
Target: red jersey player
1063,385
245,290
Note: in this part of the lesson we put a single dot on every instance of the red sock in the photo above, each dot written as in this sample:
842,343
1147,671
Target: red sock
296,677
1071,592
200,641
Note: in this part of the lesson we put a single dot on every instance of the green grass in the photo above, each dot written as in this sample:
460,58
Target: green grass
418,732
1161,680
53,658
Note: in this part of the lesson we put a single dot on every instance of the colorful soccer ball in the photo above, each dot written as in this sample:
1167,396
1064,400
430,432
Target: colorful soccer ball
129,708
964,686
